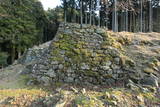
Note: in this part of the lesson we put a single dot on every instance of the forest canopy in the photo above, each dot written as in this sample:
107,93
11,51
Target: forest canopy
22,25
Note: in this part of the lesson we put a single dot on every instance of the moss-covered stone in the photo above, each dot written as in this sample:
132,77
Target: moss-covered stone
91,73
108,76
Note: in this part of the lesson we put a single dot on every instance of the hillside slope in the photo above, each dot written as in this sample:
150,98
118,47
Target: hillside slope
89,67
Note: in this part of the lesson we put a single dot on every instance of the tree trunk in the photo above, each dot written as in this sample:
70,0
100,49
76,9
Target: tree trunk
122,26
93,19
115,24
150,16
141,15
99,17
113,20
126,20
130,22
91,12
81,3
65,12
12,53
106,14
134,22
19,51
86,18
144,22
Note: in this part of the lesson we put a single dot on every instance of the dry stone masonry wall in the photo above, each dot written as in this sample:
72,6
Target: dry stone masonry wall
84,56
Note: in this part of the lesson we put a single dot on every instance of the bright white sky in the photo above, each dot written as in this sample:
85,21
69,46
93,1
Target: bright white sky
50,3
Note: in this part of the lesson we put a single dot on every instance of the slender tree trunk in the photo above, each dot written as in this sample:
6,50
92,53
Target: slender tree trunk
93,19
150,16
126,19
72,11
115,15
122,22
106,14
99,17
81,3
12,53
130,28
115,24
113,21
141,17
19,51
86,18
74,18
19,54
65,12
65,17
99,20
91,12
144,22
139,22
134,22
72,15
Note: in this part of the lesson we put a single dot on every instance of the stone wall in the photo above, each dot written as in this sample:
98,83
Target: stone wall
84,56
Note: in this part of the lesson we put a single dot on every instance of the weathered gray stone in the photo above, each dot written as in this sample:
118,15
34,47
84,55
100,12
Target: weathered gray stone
68,74
69,70
60,66
110,81
150,80
93,54
82,31
76,33
62,52
108,63
119,71
54,67
69,80
46,80
132,85
100,31
90,30
106,67
117,60
51,73
115,67
109,71
54,62
112,51
42,66
84,66
68,31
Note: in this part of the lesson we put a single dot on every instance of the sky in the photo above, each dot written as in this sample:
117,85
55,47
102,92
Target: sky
50,3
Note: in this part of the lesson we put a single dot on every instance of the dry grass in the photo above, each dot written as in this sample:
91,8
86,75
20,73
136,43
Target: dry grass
20,97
